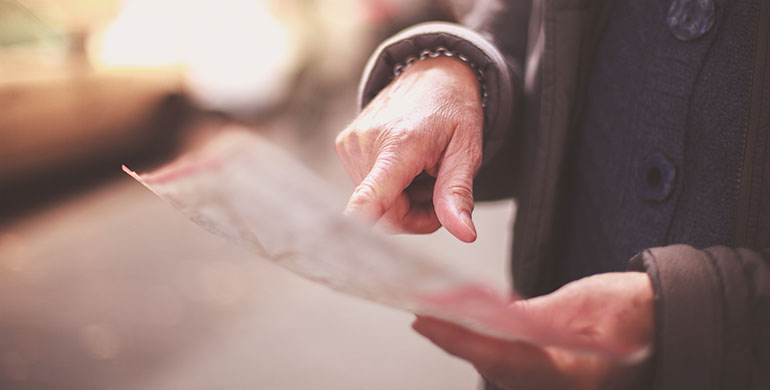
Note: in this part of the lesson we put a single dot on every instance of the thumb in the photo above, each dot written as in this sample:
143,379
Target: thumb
388,178
573,318
453,194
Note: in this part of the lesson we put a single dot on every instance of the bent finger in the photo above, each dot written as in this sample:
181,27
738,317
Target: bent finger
382,186
453,194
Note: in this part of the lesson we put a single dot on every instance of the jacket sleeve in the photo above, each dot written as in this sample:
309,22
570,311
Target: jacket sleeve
712,316
493,39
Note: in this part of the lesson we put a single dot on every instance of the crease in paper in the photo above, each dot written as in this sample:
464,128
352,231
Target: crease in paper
250,193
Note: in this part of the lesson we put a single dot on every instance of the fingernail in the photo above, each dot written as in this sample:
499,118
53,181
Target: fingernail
468,222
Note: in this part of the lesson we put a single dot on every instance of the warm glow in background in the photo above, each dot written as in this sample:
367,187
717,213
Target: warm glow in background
102,285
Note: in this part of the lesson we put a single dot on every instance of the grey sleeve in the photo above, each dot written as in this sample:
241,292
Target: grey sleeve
501,69
712,311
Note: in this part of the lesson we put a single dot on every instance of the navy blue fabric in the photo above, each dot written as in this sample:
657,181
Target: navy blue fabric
658,151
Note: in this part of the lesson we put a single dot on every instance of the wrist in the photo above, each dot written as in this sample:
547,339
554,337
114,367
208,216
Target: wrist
455,67
447,74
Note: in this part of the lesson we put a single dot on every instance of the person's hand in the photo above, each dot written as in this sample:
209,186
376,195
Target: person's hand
414,150
607,307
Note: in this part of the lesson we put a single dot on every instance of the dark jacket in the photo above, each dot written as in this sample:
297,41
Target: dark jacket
712,303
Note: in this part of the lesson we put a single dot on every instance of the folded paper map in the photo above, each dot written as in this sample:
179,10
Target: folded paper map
251,193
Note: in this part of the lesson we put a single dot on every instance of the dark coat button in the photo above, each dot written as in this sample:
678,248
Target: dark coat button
690,19
656,178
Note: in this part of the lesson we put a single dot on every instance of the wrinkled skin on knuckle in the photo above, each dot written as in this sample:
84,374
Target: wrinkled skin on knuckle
416,146
366,192
466,135
463,107
472,139
388,161
341,144
361,143
469,149
462,192
394,137
348,141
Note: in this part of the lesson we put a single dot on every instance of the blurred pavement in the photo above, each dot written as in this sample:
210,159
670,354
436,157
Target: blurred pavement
117,290
106,287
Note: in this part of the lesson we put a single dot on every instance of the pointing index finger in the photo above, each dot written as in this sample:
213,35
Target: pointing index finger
388,178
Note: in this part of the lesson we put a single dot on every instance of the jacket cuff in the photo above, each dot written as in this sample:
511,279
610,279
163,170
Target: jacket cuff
499,75
688,316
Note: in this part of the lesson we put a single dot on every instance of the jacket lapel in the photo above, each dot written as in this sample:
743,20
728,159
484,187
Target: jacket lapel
570,30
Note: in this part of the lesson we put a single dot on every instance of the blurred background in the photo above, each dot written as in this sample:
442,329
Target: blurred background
102,285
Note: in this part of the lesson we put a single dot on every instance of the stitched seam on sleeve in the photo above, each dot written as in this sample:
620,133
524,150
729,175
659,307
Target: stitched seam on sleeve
747,271
723,300
751,307
660,309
